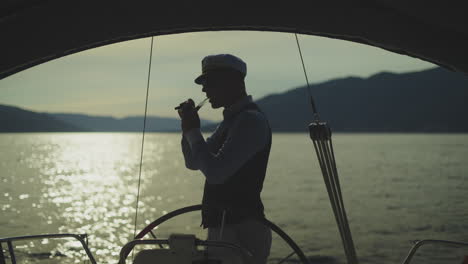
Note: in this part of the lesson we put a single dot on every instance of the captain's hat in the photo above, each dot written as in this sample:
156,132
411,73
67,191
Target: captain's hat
221,61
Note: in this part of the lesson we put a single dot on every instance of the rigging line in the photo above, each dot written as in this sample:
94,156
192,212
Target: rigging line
348,230
143,137
324,149
330,189
287,257
314,109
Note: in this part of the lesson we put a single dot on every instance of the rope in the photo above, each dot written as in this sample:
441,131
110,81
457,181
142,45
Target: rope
286,258
320,134
222,225
143,138
312,103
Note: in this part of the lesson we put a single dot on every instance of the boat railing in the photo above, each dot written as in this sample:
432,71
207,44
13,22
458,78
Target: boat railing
419,243
82,238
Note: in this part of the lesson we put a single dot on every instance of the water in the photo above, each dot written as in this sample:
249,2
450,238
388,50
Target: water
397,188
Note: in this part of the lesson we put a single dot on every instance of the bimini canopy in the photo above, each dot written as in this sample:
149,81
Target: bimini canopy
36,31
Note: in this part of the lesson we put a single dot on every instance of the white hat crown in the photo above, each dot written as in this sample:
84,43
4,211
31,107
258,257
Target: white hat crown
220,61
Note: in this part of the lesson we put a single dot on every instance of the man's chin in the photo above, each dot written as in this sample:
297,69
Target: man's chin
215,105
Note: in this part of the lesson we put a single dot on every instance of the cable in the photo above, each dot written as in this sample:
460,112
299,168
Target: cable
312,102
143,137
320,134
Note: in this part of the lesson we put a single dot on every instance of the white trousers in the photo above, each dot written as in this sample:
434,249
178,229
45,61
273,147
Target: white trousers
252,235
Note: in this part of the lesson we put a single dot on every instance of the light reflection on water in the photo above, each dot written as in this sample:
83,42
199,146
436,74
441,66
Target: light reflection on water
396,188
87,183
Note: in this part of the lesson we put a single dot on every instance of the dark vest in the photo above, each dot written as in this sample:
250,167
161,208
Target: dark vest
239,196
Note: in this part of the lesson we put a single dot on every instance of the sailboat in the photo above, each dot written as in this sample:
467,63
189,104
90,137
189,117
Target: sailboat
37,31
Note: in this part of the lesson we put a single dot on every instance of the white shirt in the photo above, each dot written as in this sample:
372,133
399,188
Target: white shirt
248,133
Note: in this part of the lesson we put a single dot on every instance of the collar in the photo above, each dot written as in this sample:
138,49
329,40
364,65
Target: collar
237,107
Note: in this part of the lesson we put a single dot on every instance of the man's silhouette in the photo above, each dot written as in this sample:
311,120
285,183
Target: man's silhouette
233,159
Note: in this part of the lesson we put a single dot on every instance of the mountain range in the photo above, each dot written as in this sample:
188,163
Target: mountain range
14,119
127,124
433,100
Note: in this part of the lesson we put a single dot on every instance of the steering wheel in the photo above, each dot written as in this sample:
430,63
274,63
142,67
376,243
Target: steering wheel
198,207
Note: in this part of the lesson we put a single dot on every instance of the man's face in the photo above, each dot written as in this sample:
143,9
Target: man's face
217,87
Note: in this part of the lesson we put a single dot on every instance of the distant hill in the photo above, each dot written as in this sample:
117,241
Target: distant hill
14,119
434,100
127,124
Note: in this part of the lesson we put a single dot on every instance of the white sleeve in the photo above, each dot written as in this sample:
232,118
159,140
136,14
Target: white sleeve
188,157
248,135
194,135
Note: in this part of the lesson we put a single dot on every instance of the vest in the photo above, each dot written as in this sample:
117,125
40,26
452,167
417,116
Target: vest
238,197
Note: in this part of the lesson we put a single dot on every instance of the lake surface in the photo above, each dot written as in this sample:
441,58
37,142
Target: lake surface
397,188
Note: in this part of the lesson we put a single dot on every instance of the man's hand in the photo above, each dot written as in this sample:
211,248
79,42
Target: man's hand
189,115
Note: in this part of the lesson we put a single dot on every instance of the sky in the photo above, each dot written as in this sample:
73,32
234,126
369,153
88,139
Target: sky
111,80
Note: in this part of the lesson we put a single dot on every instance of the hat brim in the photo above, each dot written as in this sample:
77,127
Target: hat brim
199,79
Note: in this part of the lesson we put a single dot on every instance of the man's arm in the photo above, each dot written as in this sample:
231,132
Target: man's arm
248,135
188,157
190,161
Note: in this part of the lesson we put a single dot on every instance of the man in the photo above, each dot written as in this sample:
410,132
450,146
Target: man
233,159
